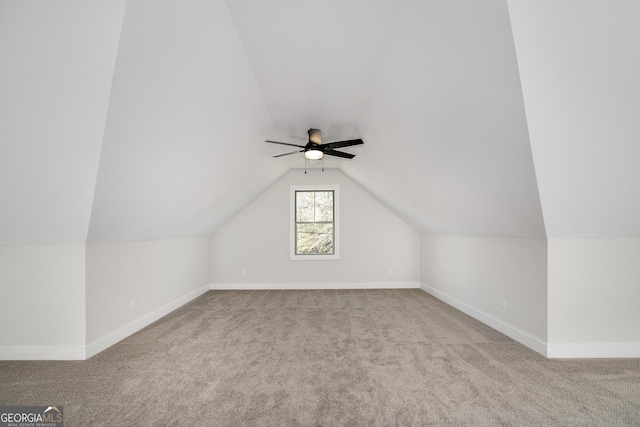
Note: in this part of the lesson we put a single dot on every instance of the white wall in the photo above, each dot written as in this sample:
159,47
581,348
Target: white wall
594,297
579,63
42,297
472,274
160,275
372,241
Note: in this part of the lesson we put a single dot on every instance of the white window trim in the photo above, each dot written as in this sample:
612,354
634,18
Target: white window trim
292,222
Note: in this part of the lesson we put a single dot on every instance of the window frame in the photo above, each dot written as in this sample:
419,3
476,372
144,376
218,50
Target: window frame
336,223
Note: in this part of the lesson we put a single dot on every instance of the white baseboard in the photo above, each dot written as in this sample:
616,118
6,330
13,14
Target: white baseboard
579,350
593,351
76,352
309,286
118,335
552,351
514,333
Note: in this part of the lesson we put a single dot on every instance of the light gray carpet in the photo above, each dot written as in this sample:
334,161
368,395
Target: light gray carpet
344,357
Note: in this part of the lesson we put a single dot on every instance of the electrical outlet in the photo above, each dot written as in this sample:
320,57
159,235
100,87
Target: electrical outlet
503,303
133,304
390,272
243,272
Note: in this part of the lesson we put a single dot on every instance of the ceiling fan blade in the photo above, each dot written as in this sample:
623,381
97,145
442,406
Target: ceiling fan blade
286,154
340,144
339,154
285,143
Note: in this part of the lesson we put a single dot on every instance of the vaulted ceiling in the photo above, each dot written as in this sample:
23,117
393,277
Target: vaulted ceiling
146,119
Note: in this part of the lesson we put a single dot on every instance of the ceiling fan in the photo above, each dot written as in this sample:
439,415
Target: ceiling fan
315,149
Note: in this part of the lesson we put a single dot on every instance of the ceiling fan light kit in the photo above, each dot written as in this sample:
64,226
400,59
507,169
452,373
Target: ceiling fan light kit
314,154
316,150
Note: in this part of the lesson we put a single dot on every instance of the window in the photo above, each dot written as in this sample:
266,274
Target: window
314,222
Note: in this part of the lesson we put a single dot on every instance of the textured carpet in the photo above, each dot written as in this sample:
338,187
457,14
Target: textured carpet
339,357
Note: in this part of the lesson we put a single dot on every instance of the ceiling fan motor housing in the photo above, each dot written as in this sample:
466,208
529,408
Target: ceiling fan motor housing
315,136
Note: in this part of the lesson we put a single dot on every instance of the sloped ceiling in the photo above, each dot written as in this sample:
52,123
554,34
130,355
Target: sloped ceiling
183,146
56,67
198,86
314,61
448,144
581,85
174,126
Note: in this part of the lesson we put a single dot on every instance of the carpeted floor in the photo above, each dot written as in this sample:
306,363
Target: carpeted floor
339,357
